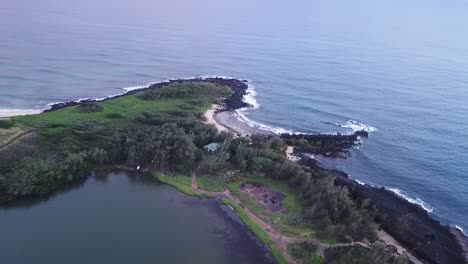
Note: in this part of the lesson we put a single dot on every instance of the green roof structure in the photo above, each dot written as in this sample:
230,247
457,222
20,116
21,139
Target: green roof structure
212,147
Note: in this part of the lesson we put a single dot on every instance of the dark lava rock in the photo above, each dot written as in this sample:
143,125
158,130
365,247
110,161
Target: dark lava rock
408,223
327,145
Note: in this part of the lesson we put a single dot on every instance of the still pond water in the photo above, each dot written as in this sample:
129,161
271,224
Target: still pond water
121,218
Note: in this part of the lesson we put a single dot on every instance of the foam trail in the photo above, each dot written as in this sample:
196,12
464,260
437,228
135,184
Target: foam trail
417,201
356,126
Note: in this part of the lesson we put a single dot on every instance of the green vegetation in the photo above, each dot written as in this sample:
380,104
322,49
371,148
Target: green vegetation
180,182
209,183
162,130
259,233
164,133
89,107
378,253
6,123
305,252
7,135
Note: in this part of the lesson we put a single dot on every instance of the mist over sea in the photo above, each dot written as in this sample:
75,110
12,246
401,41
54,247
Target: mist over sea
396,68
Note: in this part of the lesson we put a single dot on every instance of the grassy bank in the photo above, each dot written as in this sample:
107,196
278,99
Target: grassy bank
181,183
259,233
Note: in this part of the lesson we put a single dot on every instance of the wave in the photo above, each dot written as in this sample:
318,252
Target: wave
417,201
241,116
249,98
18,112
460,229
359,182
356,126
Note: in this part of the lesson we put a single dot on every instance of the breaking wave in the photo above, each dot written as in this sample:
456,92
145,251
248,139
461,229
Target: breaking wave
459,228
417,201
356,126
250,99
359,182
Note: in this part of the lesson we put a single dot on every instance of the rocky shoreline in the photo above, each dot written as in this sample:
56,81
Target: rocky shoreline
408,223
239,87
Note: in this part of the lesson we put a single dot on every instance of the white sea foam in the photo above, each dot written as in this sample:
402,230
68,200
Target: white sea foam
241,116
18,112
417,201
359,182
249,98
356,126
132,88
459,228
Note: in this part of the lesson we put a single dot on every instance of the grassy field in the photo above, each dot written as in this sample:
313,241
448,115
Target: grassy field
120,112
208,183
180,182
285,223
128,107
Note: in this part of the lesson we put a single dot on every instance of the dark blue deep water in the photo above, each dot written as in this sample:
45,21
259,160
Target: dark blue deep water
398,66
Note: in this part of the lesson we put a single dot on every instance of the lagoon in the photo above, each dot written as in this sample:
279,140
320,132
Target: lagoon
123,218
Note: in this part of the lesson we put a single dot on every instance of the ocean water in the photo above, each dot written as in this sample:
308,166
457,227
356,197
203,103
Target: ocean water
397,68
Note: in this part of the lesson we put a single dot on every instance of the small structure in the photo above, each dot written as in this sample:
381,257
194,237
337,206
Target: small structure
212,147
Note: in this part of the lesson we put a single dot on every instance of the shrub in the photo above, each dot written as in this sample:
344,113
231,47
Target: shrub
89,107
7,124
114,116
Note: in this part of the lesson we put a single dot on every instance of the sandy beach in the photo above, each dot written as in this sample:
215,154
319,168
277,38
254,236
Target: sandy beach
229,121
210,118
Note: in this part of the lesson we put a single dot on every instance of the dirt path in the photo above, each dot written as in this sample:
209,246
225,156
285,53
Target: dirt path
16,138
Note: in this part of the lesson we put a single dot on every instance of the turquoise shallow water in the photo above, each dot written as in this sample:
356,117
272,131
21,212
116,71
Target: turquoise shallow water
399,67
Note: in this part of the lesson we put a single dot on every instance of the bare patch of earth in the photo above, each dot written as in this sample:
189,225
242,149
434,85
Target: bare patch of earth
265,195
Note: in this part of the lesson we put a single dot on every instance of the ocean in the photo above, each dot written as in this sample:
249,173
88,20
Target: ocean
398,69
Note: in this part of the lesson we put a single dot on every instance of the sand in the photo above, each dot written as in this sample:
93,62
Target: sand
6,113
230,119
210,118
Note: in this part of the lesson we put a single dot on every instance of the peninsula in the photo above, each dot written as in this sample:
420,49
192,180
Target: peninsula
301,211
